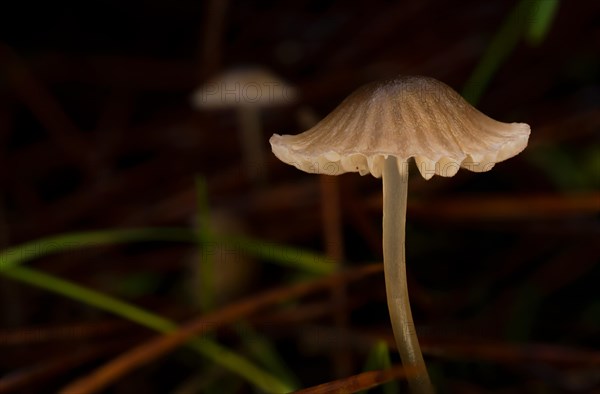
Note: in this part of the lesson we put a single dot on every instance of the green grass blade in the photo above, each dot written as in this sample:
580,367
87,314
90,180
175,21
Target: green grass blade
520,323
204,346
88,297
502,44
279,254
262,350
378,359
73,241
542,16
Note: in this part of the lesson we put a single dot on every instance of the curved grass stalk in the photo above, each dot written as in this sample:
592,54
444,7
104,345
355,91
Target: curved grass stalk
204,346
281,254
12,258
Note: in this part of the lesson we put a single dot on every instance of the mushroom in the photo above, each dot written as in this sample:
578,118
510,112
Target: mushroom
376,130
248,91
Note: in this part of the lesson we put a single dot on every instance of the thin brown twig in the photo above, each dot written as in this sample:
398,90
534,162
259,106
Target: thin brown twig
307,312
498,207
334,247
332,220
471,348
214,27
80,331
44,106
36,374
158,346
508,353
328,339
362,381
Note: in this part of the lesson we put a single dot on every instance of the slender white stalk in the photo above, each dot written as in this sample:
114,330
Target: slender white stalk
395,186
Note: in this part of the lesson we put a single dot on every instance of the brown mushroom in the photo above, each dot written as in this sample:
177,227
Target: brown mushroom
376,130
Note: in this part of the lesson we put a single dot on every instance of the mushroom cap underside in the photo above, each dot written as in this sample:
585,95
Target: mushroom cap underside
404,117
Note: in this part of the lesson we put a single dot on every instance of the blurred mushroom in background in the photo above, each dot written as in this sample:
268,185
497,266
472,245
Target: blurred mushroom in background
248,91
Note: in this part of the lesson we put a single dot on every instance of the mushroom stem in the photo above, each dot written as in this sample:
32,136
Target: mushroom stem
253,152
395,187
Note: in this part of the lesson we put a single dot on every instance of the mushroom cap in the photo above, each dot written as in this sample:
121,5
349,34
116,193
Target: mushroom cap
247,87
408,116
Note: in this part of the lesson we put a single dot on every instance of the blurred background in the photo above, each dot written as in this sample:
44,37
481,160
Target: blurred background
99,131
